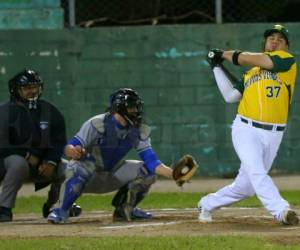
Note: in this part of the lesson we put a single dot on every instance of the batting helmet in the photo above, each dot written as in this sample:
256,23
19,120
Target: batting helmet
123,99
25,78
278,28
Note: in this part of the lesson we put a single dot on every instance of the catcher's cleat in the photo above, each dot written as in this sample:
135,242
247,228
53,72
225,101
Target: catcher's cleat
58,216
74,211
136,213
290,218
204,216
5,214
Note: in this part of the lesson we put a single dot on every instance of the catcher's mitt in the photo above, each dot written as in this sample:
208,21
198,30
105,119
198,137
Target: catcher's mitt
184,169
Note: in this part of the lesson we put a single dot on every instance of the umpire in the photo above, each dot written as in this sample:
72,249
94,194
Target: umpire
32,137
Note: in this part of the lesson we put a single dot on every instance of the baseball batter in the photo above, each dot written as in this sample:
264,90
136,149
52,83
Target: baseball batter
264,97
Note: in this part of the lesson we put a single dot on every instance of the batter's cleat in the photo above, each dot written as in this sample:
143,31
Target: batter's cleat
58,216
204,216
290,218
5,214
120,214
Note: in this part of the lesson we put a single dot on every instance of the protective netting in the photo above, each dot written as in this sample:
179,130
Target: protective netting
91,13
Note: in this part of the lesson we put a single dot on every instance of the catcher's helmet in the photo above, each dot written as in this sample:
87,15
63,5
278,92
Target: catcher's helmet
123,99
25,78
278,28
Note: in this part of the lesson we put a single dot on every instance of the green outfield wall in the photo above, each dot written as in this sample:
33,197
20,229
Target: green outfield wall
31,14
166,64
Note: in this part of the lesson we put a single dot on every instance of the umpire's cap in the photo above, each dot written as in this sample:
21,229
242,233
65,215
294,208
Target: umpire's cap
278,28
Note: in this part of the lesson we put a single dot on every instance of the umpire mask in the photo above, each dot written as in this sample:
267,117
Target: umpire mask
26,87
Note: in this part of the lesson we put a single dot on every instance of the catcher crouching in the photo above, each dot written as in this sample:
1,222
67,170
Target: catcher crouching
96,163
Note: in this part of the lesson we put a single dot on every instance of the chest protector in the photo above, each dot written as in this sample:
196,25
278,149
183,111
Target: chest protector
116,143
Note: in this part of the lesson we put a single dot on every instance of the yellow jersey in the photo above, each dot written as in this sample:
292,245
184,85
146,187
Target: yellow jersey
267,94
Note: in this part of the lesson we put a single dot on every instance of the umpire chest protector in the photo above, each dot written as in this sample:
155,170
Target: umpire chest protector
116,142
25,128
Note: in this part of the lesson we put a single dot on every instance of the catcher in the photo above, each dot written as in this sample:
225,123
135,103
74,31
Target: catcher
96,163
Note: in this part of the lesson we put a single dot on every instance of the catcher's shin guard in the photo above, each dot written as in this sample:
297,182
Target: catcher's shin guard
53,196
76,178
130,195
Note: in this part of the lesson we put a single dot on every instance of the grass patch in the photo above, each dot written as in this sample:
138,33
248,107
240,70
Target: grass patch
145,243
33,204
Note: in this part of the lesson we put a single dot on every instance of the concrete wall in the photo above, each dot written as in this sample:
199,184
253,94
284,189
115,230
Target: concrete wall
31,14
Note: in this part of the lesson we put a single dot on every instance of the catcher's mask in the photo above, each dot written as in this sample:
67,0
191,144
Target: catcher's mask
26,87
277,28
124,99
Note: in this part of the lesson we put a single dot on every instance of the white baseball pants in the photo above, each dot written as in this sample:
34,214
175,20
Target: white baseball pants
257,149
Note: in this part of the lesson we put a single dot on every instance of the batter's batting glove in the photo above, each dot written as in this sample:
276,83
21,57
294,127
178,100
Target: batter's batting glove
214,57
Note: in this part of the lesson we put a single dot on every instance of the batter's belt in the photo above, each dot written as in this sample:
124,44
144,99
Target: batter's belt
263,126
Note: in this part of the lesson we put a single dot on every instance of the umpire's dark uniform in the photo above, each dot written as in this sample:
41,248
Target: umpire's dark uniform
29,137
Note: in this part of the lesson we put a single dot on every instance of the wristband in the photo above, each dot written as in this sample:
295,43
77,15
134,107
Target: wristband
235,57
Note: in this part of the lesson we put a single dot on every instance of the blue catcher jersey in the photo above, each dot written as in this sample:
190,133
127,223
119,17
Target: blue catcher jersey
108,142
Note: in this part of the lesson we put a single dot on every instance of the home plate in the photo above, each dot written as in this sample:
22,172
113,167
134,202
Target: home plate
142,225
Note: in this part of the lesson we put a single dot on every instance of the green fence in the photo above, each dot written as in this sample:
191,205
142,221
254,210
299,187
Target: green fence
166,64
31,14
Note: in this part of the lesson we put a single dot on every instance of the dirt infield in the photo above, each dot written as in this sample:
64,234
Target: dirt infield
167,222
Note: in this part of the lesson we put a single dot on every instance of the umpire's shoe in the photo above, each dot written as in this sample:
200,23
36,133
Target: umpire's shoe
58,216
121,214
290,218
5,214
75,210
